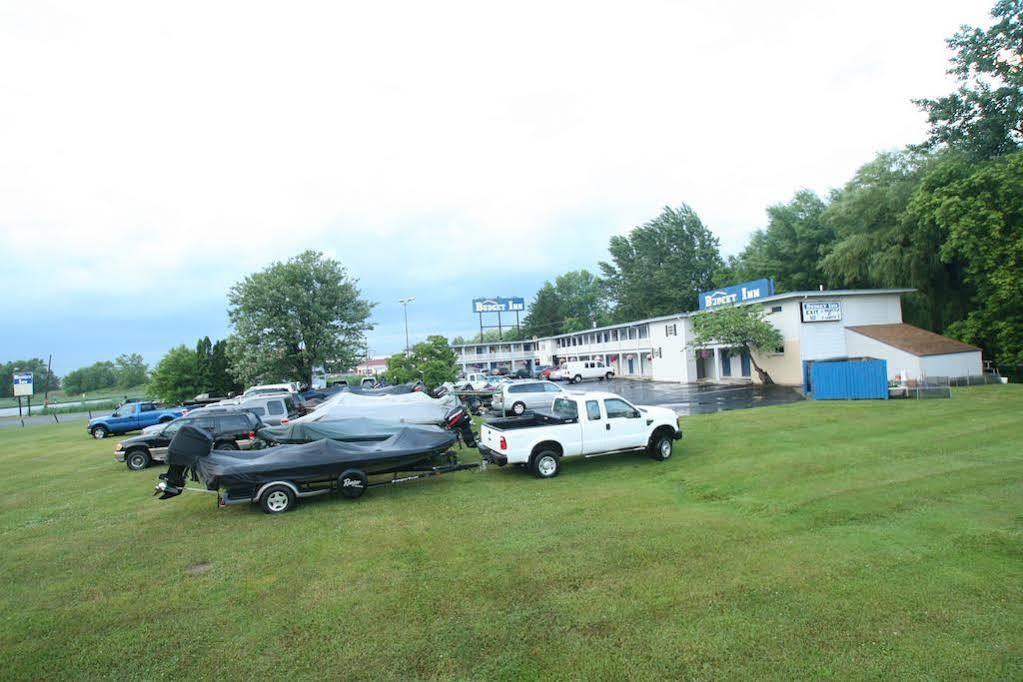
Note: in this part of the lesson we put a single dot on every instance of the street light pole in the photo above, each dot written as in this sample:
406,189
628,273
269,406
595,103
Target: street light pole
404,307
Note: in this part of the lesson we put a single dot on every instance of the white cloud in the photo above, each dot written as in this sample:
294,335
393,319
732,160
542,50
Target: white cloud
183,145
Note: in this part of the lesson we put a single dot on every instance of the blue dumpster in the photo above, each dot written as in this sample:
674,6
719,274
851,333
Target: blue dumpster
846,379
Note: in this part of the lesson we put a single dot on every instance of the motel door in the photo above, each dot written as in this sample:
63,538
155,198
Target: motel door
744,360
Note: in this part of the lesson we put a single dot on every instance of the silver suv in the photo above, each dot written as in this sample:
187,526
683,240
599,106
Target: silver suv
518,396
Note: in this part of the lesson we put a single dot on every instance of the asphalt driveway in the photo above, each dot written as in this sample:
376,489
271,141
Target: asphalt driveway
688,399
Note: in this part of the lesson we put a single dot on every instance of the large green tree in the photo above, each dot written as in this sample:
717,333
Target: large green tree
131,370
984,116
432,361
877,244
294,316
661,266
574,301
978,211
790,248
177,376
95,377
741,327
545,316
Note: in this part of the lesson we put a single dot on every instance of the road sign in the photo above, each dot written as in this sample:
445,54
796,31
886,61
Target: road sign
22,383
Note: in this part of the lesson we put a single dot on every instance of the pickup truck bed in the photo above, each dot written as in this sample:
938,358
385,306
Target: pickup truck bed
529,420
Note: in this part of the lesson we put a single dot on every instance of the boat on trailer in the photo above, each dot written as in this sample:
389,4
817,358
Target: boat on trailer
277,477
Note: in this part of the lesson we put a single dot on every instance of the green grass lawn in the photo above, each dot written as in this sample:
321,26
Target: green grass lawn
846,540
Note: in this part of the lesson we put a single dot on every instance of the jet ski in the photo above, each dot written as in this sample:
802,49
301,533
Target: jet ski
276,477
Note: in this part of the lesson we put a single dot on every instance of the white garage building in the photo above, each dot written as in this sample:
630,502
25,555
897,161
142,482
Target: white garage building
814,325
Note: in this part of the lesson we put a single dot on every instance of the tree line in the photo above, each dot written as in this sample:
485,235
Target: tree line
944,217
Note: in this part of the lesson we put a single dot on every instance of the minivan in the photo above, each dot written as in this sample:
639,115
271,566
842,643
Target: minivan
518,396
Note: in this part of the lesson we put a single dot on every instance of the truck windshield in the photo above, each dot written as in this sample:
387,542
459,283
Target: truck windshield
565,408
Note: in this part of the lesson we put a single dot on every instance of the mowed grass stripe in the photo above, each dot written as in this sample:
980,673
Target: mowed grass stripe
815,539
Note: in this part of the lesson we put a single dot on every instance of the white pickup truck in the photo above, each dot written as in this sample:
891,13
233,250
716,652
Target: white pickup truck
586,424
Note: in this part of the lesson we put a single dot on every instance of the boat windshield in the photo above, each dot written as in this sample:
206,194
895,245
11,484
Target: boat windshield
565,408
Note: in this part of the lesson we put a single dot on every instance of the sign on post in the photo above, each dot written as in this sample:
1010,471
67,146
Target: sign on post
22,384
498,305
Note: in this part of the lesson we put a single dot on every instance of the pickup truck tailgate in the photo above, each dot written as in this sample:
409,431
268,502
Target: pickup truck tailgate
490,437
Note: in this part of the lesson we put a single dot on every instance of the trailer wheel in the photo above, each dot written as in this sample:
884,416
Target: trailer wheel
277,499
137,460
352,483
660,448
518,408
545,464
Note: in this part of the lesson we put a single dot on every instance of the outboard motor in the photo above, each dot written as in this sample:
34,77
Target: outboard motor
189,444
459,421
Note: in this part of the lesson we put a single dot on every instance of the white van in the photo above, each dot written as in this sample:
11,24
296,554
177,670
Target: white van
574,372
271,388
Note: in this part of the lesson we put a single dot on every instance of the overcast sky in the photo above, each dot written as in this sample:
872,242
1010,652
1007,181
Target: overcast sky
153,154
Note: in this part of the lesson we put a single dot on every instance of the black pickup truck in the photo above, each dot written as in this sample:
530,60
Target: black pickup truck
231,430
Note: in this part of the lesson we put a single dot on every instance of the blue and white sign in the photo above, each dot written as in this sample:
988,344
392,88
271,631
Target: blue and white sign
22,383
498,305
737,293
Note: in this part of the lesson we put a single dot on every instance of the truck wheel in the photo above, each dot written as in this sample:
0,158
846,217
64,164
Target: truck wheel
226,445
99,432
577,378
609,376
277,499
660,448
518,409
137,460
545,464
352,483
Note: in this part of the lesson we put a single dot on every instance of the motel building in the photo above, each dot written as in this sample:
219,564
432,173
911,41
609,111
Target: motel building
814,325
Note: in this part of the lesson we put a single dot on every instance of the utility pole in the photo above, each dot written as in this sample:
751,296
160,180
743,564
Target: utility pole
404,307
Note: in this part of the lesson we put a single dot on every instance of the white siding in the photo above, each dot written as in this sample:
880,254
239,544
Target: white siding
899,361
952,365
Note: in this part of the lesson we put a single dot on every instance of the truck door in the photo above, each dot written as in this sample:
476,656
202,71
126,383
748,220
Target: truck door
626,426
124,417
594,429
146,414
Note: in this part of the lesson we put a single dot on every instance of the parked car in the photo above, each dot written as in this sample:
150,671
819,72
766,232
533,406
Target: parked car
543,371
478,381
587,424
273,409
518,396
230,429
575,372
132,416
263,388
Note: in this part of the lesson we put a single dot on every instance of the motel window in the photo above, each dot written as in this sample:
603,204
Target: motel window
644,331
776,309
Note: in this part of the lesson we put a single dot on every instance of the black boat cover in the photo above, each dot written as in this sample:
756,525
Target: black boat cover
321,460
350,430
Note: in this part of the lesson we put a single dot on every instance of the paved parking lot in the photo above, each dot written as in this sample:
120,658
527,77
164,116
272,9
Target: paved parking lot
688,399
